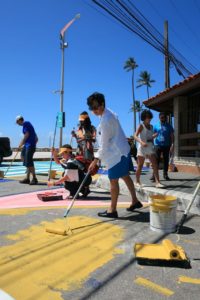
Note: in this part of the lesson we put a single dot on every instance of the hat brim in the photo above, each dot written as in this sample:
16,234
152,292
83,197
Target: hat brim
62,150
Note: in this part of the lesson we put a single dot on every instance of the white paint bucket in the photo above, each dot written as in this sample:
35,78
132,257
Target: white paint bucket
163,213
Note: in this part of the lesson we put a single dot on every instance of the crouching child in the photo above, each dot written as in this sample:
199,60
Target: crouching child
74,172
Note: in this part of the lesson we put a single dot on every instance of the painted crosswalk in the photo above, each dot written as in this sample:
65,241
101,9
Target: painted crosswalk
17,169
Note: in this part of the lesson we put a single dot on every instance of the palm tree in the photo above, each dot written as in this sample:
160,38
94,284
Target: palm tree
137,108
130,65
145,79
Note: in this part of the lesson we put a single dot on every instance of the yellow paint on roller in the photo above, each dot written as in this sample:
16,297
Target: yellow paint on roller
57,231
171,249
189,280
153,286
40,265
166,250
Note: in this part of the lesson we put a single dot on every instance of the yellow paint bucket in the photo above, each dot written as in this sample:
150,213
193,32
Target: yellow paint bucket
163,213
1,174
52,174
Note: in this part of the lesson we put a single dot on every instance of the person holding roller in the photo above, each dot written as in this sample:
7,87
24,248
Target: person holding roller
28,146
114,152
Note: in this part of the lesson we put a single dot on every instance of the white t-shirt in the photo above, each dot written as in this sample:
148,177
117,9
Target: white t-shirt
112,141
71,170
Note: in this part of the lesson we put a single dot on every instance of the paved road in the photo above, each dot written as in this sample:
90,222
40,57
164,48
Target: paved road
96,259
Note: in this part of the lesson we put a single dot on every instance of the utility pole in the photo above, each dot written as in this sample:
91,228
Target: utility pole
166,46
63,45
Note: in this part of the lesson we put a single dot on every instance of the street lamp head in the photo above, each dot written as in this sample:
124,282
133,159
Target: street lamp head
77,16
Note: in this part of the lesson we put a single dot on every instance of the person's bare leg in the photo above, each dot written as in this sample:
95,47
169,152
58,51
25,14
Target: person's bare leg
129,183
32,171
28,173
154,163
140,163
114,190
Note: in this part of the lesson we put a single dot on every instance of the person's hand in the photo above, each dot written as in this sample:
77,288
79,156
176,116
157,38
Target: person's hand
50,183
144,144
54,152
154,135
92,166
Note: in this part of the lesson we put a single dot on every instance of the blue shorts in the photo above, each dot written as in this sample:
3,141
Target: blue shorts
27,156
122,168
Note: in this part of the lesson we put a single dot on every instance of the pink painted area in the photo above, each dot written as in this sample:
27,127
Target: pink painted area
31,200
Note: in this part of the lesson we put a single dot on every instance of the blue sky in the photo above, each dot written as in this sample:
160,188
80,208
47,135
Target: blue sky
98,48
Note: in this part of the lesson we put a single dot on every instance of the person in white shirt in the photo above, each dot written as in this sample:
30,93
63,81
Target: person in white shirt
144,135
114,153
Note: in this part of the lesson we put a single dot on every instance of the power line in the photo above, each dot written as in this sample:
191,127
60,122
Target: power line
126,13
172,29
183,20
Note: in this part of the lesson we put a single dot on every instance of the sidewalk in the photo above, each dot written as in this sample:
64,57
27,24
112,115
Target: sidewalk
181,185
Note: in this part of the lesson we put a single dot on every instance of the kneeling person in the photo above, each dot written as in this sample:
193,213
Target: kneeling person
73,174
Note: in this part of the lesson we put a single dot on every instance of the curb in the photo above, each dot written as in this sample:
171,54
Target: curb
144,193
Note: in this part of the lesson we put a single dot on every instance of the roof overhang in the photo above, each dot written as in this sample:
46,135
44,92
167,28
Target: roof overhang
164,100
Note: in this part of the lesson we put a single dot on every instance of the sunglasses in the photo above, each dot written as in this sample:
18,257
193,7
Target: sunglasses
93,107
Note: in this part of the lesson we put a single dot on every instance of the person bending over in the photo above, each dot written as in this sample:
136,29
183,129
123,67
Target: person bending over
114,152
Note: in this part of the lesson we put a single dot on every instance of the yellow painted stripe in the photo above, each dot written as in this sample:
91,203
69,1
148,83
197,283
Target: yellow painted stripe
189,280
153,286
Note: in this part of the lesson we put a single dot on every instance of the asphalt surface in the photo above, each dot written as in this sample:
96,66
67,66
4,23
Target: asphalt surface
121,277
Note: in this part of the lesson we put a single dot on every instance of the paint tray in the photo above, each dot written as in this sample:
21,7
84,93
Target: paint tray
49,196
164,254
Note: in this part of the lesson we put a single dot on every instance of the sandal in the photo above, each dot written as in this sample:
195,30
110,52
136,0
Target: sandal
134,206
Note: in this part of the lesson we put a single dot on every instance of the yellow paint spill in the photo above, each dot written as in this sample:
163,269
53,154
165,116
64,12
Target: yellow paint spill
189,280
39,265
153,286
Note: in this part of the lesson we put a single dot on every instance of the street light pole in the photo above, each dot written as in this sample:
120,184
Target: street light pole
63,45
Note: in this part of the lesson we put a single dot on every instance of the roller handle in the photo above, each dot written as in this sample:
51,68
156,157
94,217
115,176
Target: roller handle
75,196
187,209
53,145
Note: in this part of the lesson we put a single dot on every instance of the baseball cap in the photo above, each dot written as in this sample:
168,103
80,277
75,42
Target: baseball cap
18,118
65,148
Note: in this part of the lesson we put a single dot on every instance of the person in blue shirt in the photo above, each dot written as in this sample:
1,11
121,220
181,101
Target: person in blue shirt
164,142
28,146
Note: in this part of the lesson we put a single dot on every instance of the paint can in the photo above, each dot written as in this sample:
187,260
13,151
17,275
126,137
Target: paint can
52,174
163,213
1,174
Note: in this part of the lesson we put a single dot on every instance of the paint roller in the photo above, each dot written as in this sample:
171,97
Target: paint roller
171,249
56,231
67,230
